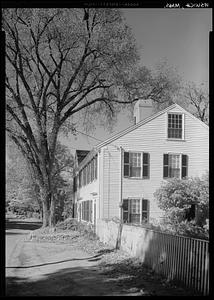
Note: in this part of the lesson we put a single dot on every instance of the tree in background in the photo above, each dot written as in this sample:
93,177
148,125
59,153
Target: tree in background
22,194
63,64
197,101
185,203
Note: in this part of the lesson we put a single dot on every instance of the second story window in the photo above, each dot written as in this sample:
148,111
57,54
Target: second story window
175,126
88,173
175,165
136,164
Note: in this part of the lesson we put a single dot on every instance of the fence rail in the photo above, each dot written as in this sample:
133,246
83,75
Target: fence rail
180,258
183,259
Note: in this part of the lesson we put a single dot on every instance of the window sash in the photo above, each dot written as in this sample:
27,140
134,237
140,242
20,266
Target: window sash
86,210
135,210
175,165
136,164
175,126
88,173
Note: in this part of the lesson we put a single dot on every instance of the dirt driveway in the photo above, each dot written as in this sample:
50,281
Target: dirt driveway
35,268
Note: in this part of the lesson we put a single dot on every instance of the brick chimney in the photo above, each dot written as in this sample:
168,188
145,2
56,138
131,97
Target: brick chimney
142,110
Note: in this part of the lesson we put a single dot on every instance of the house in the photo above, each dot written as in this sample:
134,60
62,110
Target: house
118,177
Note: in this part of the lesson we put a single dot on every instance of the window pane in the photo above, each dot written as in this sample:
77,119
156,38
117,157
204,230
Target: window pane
135,159
135,218
135,206
135,171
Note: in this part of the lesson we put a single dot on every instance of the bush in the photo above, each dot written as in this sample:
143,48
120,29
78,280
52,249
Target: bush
186,205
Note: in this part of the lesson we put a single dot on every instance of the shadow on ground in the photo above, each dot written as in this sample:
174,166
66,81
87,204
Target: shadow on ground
120,279
132,273
76,281
18,224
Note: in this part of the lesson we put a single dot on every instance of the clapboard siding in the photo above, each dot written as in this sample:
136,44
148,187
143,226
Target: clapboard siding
111,181
152,137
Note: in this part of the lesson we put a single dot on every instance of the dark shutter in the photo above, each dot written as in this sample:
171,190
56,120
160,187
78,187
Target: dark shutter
145,211
165,165
75,184
184,166
126,164
145,165
125,210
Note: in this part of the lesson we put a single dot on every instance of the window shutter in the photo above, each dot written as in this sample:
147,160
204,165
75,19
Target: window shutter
126,167
145,210
125,210
184,166
165,165
146,162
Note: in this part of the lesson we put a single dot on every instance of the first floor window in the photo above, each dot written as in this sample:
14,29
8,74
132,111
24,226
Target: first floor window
135,210
86,210
175,165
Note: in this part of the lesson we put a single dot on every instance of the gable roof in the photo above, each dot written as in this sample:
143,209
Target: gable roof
133,127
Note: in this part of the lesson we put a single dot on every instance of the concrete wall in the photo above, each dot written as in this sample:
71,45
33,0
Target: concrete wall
134,240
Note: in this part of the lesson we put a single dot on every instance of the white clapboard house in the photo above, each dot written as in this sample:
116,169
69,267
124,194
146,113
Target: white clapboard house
119,176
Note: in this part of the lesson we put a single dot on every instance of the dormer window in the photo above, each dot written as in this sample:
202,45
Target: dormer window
175,126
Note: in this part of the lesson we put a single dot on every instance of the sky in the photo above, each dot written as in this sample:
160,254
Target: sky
179,35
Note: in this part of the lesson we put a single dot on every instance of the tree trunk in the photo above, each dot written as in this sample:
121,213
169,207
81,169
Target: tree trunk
52,219
45,198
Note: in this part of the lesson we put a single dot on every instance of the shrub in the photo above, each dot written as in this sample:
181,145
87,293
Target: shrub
186,205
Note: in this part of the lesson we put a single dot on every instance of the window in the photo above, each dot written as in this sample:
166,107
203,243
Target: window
88,173
136,164
175,165
87,210
175,126
135,210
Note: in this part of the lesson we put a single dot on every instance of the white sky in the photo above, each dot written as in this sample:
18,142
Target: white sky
179,35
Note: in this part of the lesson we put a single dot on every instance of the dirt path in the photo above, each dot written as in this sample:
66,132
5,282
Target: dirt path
52,269
41,268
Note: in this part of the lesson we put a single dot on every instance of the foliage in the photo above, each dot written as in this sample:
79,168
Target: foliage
21,191
62,66
176,196
195,99
22,194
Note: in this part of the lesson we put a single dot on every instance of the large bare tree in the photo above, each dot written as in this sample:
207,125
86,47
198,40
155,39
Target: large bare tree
197,99
60,63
